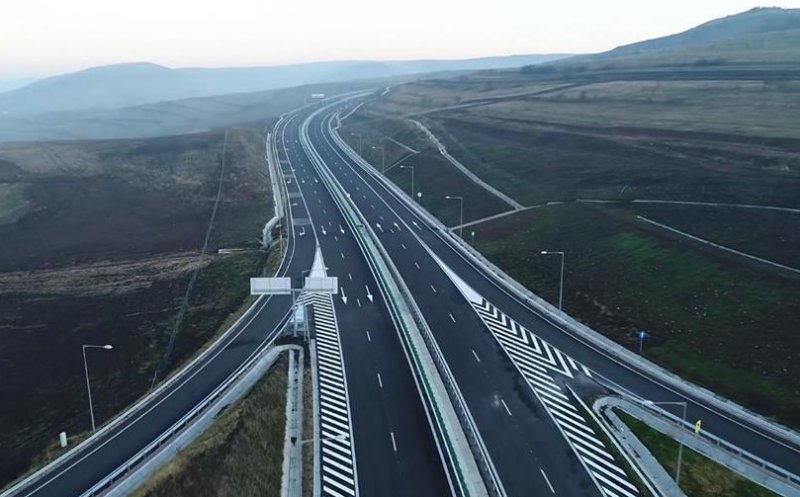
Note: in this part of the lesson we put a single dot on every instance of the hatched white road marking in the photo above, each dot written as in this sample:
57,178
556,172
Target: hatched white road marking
539,362
336,450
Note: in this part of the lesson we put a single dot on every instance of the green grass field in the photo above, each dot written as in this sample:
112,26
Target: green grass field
700,476
13,204
773,235
726,326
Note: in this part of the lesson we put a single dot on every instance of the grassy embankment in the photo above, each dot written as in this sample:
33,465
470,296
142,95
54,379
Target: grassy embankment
241,453
434,176
700,476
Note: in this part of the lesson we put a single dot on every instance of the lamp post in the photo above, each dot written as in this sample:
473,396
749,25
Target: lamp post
383,158
412,178
561,284
461,209
359,143
86,370
680,444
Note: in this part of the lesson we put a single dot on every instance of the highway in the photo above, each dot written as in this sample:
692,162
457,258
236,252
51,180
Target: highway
482,369
394,446
522,376
396,452
527,449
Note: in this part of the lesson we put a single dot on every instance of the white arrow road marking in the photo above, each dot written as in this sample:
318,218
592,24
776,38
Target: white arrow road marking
341,229
303,232
396,226
323,230
416,225
344,297
379,227
369,295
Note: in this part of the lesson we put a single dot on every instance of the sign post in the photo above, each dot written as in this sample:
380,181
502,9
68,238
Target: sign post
326,285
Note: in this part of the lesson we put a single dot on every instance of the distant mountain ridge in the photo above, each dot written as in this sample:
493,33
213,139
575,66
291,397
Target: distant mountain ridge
126,85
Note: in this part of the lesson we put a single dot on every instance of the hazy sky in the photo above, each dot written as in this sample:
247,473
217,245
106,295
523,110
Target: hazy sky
42,37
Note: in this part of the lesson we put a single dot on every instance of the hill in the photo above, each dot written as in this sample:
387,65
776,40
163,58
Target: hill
126,85
753,22
758,36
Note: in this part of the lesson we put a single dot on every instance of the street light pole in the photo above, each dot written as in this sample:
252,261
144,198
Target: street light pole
412,178
680,444
383,158
561,284
86,371
461,210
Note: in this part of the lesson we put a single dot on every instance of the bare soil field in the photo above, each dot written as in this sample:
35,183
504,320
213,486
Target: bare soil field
103,253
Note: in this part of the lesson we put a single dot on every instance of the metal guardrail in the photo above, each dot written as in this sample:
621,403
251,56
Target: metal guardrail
477,447
724,445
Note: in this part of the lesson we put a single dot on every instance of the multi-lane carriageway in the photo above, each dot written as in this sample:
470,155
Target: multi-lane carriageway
515,368
529,453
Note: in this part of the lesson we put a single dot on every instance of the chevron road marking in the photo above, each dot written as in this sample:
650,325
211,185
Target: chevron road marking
336,458
539,362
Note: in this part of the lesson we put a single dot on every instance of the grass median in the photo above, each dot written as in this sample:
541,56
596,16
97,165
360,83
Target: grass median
240,454
700,476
